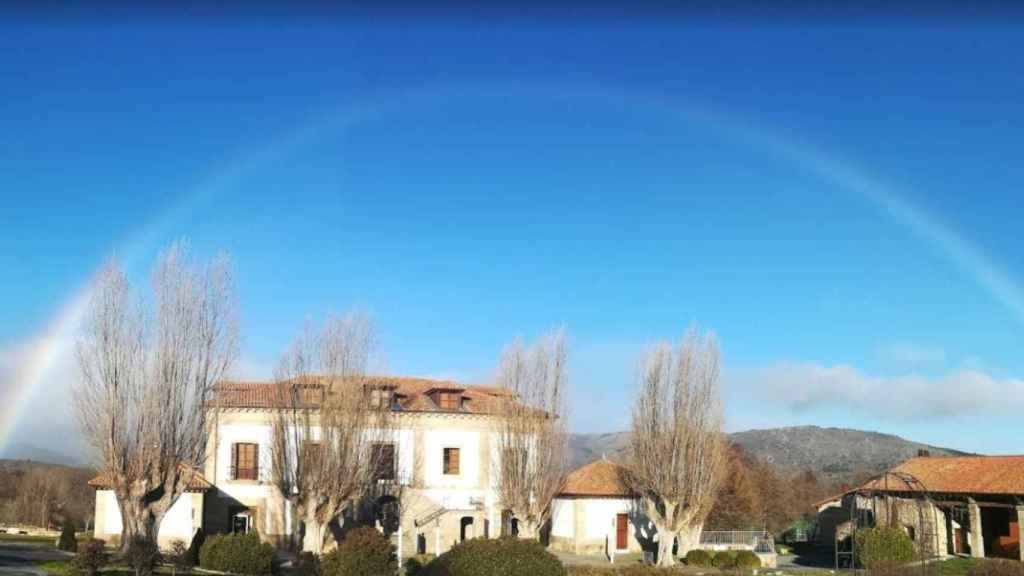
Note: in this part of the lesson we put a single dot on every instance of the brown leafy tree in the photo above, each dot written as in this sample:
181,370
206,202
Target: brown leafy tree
738,504
147,376
531,437
677,449
331,422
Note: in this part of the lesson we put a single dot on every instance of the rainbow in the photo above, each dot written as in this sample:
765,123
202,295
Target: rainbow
56,342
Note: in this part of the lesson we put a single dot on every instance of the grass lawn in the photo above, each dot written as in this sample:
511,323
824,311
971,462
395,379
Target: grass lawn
26,538
63,568
956,566
55,567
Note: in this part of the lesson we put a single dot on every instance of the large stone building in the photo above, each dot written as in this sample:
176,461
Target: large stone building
444,449
966,505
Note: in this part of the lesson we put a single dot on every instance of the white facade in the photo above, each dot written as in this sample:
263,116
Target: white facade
180,523
592,525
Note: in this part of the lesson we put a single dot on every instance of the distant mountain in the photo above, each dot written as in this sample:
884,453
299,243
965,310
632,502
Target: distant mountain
832,452
19,451
835,453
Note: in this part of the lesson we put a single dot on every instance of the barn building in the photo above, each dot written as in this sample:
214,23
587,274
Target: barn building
950,505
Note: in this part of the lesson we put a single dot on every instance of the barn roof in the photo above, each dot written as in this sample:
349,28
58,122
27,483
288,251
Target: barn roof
958,475
599,479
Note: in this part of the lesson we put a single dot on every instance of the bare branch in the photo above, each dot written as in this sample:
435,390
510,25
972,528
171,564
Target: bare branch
531,437
147,378
677,448
330,420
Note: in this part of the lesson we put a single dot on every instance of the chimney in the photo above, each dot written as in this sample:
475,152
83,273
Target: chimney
922,453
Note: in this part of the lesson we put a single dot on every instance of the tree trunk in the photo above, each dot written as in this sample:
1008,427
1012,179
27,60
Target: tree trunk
312,533
138,520
529,529
689,538
665,541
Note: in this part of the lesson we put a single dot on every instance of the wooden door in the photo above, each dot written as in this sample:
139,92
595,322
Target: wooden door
621,532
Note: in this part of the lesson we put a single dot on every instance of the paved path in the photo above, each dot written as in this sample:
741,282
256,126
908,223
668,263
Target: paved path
18,558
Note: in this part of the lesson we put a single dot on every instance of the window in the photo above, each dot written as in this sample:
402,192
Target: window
241,522
382,398
451,461
449,401
311,454
384,459
245,461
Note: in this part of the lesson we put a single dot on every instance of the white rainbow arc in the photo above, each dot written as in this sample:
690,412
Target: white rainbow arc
58,338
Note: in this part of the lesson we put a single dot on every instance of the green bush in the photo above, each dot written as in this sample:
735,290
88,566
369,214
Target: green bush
747,560
67,540
238,554
500,557
724,559
362,552
92,556
883,545
415,565
143,556
699,558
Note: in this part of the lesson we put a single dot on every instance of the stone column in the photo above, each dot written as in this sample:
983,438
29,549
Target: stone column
977,537
1020,530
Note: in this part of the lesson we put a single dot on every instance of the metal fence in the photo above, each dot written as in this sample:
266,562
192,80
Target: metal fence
756,540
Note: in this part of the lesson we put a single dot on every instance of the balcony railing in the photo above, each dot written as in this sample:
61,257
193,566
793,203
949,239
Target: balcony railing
755,540
238,473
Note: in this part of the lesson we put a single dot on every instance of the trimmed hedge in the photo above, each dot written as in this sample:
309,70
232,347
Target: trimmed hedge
724,559
883,545
238,554
362,552
415,565
500,557
700,558
746,559
624,570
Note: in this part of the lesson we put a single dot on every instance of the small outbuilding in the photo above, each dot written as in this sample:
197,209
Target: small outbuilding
595,513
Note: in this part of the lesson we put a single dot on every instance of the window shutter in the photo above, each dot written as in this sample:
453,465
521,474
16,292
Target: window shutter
234,461
255,461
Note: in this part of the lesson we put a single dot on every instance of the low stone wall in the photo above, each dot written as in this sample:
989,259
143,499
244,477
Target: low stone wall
28,530
768,559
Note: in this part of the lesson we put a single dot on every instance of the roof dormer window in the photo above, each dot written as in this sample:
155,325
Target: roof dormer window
447,399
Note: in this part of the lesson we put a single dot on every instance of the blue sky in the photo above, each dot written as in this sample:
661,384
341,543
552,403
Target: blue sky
841,204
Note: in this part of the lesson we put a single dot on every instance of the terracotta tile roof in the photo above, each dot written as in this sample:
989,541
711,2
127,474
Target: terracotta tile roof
960,475
600,478
411,394
198,483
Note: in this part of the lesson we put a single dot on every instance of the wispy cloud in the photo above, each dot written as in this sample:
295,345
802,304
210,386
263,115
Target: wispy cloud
804,387
905,355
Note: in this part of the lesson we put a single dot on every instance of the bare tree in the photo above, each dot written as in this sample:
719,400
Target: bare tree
677,448
331,426
531,437
147,377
